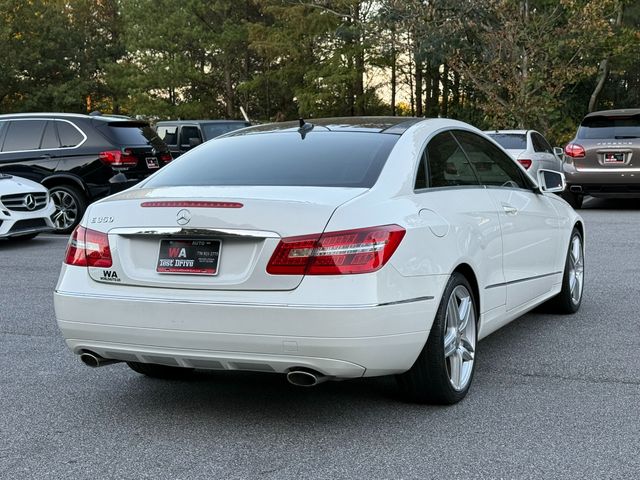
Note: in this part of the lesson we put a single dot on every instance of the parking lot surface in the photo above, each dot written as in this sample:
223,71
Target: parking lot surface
553,396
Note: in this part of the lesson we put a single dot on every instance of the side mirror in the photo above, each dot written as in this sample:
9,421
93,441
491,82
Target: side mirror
550,181
194,142
558,151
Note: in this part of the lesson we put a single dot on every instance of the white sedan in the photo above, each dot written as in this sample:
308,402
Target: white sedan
334,250
530,149
25,208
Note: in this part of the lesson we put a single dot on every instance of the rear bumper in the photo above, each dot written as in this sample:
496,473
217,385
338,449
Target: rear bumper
603,182
341,342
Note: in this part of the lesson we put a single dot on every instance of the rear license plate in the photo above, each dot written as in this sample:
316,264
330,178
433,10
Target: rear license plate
613,157
152,162
192,257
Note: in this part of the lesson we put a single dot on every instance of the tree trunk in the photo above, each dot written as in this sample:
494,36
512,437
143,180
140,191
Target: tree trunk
393,73
603,70
444,110
418,86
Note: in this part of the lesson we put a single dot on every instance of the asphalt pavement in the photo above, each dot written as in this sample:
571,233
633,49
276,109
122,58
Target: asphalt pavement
553,396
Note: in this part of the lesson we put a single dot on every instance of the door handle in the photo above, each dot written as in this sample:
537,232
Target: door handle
509,210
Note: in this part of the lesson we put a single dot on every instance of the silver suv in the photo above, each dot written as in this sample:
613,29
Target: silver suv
603,160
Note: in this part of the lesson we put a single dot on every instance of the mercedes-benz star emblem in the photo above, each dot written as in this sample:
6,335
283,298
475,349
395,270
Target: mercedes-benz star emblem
183,216
29,202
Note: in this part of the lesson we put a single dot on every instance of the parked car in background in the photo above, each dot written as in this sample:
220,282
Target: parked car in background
530,149
182,135
345,248
79,158
25,208
603,160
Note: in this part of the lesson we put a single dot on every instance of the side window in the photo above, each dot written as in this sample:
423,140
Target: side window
448,165
69,135
544,145
168,134
494,167
187,133
421,176
50,137
23,135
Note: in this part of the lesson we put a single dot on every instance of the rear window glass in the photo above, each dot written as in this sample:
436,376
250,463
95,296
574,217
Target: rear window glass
321,159
169,135
212,130
70,136
610,127
510,141
130,133
23,135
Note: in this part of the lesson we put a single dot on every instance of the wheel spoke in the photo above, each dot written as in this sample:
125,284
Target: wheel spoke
449,343
575,251
463,313
456,369
453,315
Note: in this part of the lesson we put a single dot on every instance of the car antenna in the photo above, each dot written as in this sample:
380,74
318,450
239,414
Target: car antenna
304,128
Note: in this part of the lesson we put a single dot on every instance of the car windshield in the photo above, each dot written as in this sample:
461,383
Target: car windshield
320,159
510,141
610,127
213,130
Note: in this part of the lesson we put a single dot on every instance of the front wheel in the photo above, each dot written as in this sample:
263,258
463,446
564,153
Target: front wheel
444,369
570,297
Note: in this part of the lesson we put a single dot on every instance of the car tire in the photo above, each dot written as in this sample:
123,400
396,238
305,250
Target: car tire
569,299
443,371
70,205
573,199
160,371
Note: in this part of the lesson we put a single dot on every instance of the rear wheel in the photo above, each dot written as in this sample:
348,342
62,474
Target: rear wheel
443,372
70,205
160,371
570,297
573,199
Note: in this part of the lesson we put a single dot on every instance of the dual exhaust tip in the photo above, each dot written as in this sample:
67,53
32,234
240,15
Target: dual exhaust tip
297,377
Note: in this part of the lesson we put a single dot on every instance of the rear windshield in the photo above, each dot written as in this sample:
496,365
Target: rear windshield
131,133
510,141
610,127
321,159
213,130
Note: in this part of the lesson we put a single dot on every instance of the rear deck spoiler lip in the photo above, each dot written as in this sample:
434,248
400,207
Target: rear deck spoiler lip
190,232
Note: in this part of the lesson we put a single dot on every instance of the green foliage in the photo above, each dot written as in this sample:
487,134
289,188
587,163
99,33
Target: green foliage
493,63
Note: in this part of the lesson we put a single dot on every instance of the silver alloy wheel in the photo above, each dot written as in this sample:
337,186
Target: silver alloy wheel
66,209
576,269
460,337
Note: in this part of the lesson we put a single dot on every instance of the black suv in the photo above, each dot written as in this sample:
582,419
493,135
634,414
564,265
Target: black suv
79,158
183,135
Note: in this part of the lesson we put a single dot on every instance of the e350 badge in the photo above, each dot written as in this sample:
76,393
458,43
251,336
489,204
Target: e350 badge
109,276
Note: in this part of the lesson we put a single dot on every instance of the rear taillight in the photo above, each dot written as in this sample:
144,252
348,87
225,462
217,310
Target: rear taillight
118,158
574,150
336,253
166,157
526,163
88,248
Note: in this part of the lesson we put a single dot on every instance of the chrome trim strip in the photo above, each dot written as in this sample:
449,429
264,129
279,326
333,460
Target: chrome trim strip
609,170
520,280
182,232
238,304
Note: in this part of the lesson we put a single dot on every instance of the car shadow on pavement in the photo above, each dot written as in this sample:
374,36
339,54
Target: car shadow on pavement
592,203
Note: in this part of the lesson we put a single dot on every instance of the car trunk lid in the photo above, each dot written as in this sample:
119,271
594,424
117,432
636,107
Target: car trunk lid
241,226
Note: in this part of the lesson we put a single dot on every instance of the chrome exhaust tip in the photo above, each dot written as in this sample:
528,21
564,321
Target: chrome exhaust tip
94,360
305,378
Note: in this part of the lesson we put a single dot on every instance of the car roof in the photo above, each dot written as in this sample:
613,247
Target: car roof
623,112
190,122
393,125
508,132
103,117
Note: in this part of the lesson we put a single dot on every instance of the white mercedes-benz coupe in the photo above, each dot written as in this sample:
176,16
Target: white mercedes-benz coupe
25,208
330,250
